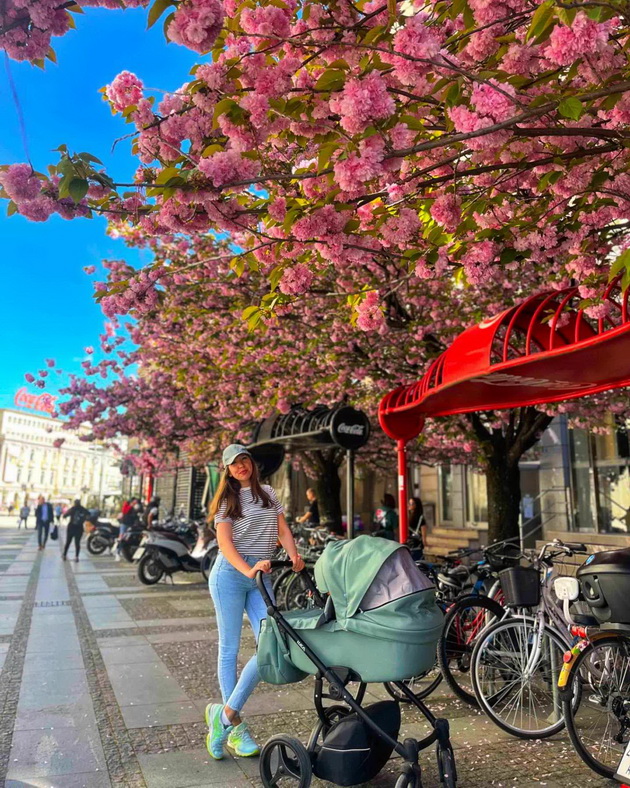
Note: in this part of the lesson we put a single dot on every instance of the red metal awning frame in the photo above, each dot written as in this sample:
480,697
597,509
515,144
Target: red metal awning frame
545,349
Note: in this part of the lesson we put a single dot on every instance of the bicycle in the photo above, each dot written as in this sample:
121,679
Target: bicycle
516,662
594,686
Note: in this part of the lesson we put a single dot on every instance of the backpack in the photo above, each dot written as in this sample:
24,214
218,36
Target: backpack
79,516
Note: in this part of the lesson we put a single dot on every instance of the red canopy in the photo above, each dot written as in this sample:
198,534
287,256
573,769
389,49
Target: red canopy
545,349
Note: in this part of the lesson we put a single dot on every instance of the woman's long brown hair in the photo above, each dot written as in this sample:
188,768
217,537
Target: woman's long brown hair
228,491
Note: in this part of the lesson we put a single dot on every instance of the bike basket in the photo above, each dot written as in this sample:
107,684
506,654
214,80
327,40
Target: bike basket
503,556
520,586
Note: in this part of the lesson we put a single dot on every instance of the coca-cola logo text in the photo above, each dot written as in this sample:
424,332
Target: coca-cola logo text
351,429
45,403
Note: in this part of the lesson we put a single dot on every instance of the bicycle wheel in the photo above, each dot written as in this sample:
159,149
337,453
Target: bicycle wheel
515,686
463,624
599,722
297,594
421,686
279,587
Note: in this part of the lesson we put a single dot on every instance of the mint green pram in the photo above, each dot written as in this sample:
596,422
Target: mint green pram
380,621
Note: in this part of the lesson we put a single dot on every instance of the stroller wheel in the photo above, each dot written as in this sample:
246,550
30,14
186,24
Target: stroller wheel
411,779
446,765
284,761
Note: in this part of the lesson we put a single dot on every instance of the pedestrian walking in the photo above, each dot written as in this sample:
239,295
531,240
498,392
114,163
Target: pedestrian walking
249,520
78,514
24,515
58,512
44,516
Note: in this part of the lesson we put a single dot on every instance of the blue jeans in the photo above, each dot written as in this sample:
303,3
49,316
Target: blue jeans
233,594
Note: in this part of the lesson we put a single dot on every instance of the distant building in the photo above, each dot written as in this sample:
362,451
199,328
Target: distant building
31,464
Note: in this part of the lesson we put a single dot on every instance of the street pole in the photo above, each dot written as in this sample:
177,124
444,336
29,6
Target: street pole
350,494
403,520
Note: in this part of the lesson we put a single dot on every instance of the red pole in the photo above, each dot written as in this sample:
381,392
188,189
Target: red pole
403,523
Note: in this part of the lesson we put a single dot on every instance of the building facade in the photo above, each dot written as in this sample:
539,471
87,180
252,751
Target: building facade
32,463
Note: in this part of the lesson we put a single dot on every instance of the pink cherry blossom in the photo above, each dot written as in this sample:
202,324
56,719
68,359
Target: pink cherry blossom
20,182
125,91
196,24
363,101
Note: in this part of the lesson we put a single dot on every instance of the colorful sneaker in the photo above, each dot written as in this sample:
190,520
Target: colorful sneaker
217,731
240,740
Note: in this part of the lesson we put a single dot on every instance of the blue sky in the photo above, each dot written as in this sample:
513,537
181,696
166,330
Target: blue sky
47,309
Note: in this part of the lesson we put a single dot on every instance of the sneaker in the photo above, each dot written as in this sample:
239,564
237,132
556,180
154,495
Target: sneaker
240,740
117,557
217,731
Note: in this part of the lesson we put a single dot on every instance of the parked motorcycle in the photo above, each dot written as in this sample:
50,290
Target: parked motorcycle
102,537
130,541
186,548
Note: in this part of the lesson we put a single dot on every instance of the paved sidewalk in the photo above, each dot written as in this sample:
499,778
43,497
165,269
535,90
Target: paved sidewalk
104,682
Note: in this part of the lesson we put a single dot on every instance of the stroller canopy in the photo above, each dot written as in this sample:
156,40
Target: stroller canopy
367,573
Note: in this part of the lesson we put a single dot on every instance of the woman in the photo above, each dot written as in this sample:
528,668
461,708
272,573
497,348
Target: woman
386,517
249,520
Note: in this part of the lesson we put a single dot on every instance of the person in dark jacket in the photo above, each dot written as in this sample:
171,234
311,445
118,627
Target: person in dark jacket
78,514
44,516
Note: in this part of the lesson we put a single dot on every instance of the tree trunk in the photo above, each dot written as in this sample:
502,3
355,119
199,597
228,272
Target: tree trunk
504,499
327,485
502,448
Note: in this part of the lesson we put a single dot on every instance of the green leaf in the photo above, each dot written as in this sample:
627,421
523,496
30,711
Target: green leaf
237,264
78,188
622,263
275,276
571,108
11,208
89,157
156,11
249,311
508,255
325,154
332,79
543,15
166,174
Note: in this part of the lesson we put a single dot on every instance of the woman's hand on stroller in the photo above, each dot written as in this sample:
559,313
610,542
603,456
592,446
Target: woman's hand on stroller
298,563
260,566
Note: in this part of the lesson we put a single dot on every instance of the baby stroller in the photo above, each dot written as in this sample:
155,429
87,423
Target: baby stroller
379,623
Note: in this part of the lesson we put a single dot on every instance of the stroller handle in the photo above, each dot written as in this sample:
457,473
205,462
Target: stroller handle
306,577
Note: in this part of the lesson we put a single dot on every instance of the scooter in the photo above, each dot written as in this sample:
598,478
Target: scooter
191,548
103,537
130,541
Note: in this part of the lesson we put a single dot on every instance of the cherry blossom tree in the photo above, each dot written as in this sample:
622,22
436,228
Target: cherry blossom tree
373,161
196,376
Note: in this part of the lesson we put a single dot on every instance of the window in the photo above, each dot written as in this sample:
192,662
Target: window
446,492
476,497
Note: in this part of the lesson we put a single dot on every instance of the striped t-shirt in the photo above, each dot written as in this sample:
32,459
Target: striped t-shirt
256,532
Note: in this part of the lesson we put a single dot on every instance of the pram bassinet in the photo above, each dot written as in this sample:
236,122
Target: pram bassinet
381,621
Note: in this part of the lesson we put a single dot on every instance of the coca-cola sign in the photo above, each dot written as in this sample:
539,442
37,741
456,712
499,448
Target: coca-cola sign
350,428
44,403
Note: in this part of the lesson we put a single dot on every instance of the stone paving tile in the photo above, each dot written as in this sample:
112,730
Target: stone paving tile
153,714
146,609
132,639
98,779
188,769
149,682
43,689
53,752
183,637
128,655
73,712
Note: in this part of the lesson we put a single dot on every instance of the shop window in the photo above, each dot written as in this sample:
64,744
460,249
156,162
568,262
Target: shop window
583,499
476,496
446,492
